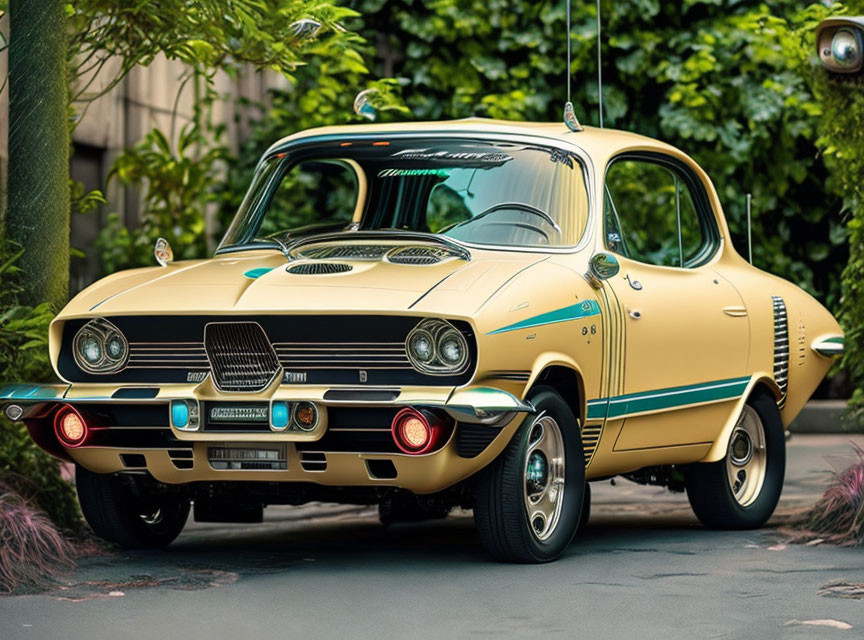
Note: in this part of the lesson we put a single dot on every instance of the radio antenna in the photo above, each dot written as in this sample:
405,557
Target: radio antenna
570,118
599,66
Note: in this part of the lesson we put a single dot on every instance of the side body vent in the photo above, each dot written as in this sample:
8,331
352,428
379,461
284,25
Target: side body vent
241,356
319,268
590,438
781,347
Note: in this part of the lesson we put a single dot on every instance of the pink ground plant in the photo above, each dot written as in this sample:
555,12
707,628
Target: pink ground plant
838,516
32,551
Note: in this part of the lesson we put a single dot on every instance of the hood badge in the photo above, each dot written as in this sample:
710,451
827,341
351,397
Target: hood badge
294,377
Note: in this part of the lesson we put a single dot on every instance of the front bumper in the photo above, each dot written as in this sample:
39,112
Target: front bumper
339,453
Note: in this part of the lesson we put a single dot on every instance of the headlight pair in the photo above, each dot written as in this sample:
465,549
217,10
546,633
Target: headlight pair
437,347
100,347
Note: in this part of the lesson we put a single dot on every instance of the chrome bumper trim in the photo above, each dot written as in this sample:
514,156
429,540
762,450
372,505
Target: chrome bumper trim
476,404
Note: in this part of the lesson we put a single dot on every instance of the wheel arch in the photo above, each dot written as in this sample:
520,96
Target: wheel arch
566,379
759,382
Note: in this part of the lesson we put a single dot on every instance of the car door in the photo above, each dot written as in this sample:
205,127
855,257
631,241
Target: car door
684,331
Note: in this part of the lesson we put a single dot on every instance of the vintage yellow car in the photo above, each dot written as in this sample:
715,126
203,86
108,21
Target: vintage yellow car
473,313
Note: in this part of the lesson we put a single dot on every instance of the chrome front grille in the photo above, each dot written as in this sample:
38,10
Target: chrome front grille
245,353
781,347
167,355
342,355
241,357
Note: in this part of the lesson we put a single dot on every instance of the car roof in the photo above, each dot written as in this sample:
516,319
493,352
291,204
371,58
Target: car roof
595,141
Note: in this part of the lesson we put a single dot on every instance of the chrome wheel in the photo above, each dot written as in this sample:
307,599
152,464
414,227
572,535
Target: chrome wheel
152,518
746,458
543,490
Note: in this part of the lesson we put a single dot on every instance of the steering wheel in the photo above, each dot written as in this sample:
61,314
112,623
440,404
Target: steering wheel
519,206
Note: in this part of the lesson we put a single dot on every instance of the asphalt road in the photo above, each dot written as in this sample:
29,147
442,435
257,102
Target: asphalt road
643,569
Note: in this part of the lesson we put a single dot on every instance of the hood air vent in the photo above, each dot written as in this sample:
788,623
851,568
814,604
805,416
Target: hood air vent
319,269
420,255
346,252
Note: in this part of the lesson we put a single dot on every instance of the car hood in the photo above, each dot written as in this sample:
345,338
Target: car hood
259,281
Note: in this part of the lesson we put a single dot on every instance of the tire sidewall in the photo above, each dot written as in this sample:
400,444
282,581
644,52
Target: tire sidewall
547,401
763,506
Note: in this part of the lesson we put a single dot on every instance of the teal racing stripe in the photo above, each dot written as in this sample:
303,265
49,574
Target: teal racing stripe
584,309
669,398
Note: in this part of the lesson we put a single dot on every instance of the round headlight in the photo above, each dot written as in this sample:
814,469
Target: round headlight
844,48
91,349
422,345
100,347
115,347
452,348
436,347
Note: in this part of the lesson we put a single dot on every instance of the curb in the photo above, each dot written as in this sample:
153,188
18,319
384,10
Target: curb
822,416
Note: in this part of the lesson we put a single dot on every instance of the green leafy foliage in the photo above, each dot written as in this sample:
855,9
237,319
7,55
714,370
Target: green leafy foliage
721,80
24,356
178,183
841,139
206,35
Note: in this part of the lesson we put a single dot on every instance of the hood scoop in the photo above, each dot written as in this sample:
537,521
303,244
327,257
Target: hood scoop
345,252
405,254
319,268
420,255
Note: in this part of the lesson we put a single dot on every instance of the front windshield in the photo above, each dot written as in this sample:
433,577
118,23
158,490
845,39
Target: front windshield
476,192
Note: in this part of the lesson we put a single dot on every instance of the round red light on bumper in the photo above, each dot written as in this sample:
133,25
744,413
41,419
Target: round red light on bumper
70,427
416,432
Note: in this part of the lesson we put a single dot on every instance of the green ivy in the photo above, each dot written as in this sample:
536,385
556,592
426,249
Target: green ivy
720,79
841,139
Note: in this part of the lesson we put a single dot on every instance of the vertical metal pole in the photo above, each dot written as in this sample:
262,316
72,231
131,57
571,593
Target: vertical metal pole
568,51
599,67
749,231
678,214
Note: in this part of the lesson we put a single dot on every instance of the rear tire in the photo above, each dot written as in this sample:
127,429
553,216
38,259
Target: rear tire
528,502
118,514
586,509
741,491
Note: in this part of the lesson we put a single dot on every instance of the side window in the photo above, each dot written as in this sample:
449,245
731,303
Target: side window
311,193
650,214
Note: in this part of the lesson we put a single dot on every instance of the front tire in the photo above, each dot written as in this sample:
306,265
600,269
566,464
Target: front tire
741,491
119,514
528,502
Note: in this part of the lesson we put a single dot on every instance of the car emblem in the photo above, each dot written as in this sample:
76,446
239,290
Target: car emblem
363,376
195,376
294,377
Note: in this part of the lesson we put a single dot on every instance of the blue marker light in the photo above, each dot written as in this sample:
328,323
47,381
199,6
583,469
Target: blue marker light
179,414
279,415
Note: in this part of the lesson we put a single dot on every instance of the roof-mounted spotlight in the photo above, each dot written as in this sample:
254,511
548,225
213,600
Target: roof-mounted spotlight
840,44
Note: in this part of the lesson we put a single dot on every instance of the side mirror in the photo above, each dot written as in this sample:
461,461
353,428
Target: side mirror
163,253
840,44
601,266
